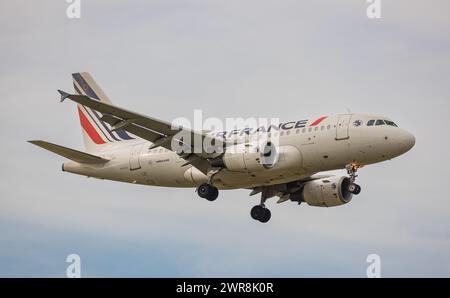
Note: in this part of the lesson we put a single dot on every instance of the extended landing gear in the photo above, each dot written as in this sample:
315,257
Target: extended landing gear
352,186
261,213
207,191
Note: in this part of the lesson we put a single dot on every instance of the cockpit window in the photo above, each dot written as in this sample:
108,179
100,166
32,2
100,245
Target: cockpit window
379,122
390,123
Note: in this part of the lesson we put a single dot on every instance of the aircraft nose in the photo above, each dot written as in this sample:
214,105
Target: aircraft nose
407,140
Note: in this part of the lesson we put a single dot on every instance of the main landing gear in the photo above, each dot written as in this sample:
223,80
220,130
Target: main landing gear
258,212
208,191
353,187
261,213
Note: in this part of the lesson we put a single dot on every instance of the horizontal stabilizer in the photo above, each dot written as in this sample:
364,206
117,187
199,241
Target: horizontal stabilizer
63,94
71,154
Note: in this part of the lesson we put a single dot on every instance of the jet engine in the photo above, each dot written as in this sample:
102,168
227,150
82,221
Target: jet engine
253,158
326,192
250,157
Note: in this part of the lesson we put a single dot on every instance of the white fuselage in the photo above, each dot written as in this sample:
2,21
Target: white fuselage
337,141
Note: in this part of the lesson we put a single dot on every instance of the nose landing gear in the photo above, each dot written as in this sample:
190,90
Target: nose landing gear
351,170
354,188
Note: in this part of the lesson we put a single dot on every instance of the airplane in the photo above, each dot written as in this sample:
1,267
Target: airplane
125,146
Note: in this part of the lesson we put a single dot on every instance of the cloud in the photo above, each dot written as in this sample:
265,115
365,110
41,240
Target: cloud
254,58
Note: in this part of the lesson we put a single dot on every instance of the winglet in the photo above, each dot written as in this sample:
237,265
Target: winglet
64,95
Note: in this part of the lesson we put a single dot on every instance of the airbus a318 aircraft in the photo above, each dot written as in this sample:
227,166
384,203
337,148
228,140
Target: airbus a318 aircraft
126,146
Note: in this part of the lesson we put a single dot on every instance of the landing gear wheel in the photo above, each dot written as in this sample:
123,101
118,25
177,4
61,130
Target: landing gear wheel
256,212
260,213
213,195
351,170
354,188
208,192
357,189
203,190
265,216
351,187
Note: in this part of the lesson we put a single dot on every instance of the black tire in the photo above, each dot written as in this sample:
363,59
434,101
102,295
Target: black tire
351,187
207,191
265,216
204,190
256,212
357,189
214,193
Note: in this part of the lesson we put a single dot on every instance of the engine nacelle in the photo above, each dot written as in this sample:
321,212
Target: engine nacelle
250,157
327,192
253,158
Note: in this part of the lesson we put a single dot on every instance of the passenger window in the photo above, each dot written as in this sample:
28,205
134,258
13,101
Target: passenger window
303,130
317,128
288,132
329,126
297,131
370,122
281,133
322,127
379,122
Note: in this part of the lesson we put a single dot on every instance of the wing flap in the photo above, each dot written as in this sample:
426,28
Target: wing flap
160,126
139,131
154,130
284,190
146,127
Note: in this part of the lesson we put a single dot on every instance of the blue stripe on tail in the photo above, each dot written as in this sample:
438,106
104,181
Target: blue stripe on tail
85,86
90,92
123,134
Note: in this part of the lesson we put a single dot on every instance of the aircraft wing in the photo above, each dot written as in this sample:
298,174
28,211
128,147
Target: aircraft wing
284,190
159,132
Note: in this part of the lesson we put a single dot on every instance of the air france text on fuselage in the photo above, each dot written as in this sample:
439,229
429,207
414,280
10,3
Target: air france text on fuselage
262,129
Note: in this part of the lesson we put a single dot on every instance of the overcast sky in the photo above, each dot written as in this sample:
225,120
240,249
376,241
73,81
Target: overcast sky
286,59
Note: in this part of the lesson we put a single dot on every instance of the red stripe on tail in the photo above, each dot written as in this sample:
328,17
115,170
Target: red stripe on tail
87,126
318,121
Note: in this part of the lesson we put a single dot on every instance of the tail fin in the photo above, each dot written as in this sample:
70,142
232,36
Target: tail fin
96,133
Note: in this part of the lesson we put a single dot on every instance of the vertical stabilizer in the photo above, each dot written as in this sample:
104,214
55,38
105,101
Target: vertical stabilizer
96,133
